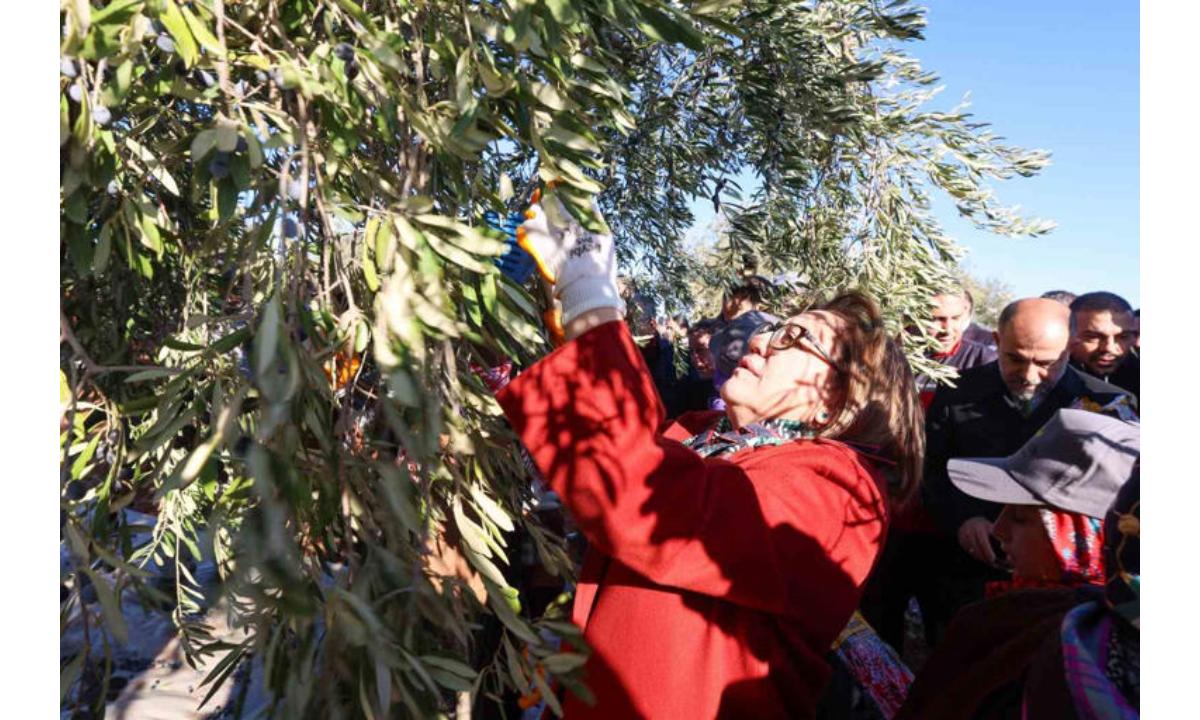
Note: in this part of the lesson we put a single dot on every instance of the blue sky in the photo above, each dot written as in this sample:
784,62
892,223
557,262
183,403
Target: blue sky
1061,76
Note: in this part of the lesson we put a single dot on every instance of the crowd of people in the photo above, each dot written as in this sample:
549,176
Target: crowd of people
764,527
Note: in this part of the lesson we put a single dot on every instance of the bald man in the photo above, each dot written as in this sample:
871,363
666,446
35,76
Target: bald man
993,411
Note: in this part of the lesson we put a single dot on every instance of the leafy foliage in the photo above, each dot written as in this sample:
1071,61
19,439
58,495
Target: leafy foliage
275,285
990,295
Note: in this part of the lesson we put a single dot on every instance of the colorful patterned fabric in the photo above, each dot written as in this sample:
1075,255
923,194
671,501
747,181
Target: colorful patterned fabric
874,665
1101,640
1120,407
1078,541
722,438
1101,669
494,377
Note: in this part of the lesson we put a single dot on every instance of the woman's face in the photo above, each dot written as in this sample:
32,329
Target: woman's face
794,384
1023,537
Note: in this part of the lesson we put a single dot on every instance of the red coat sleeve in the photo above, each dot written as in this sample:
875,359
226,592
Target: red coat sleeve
763,538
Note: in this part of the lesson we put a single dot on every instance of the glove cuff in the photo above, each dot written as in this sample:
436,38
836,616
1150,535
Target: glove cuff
588,293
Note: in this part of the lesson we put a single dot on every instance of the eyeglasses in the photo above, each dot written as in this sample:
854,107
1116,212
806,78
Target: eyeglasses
785,335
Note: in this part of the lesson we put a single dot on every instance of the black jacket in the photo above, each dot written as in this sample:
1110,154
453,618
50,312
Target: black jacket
979,334
967,355
980,419
659,355
693,393
1127,376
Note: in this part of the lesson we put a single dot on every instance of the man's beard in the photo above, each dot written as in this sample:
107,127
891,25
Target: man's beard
1105,369
1027,393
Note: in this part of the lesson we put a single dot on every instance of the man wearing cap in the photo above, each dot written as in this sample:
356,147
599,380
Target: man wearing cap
742,316
992,412
1006,657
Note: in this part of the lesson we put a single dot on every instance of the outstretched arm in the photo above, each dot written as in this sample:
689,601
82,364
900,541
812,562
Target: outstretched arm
589,414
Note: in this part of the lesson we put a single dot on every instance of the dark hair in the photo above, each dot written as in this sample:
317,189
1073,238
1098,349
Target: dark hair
753,288
707,325
880,406
1066,297
643,302
1098,302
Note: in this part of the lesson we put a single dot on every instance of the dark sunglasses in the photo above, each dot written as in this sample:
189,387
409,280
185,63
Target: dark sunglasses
786,335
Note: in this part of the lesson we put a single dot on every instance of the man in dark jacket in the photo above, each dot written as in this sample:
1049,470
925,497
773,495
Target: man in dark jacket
951,319
1103,335
975,332
696,389
657,350
905,569
991,413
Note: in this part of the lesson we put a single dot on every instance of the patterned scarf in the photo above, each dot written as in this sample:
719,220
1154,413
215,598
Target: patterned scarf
1101,641
721,438
1101,662
1078,541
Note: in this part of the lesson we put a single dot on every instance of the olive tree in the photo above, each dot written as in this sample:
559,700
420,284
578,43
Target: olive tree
278,297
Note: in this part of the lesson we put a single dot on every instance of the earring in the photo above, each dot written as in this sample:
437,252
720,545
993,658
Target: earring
823,417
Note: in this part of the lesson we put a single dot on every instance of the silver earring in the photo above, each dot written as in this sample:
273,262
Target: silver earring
822,417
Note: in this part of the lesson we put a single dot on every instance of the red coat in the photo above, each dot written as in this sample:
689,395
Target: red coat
713,587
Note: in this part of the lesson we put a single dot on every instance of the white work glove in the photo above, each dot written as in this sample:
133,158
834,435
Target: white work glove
580,265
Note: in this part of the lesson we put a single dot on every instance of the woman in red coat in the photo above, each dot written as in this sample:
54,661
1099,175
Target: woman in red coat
727,551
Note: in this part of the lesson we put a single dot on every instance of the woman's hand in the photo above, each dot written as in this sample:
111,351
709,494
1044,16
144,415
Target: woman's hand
579,264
